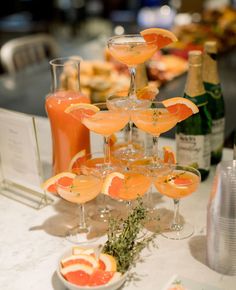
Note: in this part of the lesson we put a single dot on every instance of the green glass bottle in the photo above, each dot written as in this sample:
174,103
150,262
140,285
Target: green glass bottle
193,134
215,104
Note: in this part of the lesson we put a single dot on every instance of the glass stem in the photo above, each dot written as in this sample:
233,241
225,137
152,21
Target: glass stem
155,149
176,226
82,222
132,88
130,136
106,150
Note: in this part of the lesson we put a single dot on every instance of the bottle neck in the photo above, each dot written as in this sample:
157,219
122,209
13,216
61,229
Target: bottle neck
210,69
65,77
194,84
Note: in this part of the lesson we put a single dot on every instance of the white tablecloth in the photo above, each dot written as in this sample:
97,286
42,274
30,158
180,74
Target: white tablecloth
31,241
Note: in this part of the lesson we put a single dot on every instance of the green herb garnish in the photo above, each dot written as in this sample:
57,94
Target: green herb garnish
123,242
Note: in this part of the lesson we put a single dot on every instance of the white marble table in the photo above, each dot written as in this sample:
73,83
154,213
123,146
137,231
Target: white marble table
31,242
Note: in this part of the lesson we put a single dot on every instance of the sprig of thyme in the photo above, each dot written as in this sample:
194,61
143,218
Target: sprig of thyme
123,242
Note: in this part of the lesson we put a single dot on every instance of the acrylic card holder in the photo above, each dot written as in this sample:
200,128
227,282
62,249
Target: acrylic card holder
21,173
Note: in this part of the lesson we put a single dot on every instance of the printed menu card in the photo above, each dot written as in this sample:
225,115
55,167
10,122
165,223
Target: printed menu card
20,159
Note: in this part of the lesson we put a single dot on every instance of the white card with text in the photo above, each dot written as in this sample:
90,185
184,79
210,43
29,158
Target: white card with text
19,154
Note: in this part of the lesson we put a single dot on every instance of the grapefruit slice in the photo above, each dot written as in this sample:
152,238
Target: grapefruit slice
112,140
107,262
77,250
169,155
185,107
63,178
83,259
76,161
77,274
163,37
183,181
100,277
80,109
113,183
147,93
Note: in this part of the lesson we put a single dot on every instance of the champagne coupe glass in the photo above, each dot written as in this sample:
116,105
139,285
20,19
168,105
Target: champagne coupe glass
147,162
181,182
105,123
155,120
84,188
95,161
135,183
121,103
131,50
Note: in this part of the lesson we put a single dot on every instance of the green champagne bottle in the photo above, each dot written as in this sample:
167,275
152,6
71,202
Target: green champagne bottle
215,104
193,134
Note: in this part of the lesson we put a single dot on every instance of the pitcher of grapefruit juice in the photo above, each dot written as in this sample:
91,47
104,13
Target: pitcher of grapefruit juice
69,136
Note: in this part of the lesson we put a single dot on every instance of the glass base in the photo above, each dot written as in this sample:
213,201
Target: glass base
179,232
78,235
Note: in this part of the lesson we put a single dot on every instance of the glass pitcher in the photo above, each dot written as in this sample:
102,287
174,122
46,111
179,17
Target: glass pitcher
69,135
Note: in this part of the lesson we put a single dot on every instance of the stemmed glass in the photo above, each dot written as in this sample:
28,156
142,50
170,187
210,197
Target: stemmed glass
131,50
105,123
95,161
155,120
146,161
180,182
121,103
134,183
84,188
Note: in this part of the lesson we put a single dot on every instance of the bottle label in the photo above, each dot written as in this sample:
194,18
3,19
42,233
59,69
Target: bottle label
199,101
194,150
213,90
217,135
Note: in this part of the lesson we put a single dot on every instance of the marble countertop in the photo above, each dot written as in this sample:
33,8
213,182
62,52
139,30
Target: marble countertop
32,241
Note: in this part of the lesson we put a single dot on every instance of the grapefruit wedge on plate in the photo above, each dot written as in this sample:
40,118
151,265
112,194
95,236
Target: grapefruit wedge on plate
85,271
186,107
63,178
83,259
163,37
77,274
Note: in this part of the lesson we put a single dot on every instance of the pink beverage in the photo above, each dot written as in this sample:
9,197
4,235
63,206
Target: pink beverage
69,135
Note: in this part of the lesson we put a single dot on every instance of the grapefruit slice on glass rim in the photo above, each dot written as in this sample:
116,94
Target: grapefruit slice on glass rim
80,109
63,178
169,155
163,37
76,161
112,184
186,107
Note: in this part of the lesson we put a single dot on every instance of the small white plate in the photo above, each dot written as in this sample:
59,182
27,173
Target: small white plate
112,286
